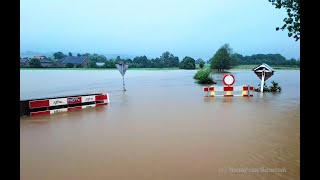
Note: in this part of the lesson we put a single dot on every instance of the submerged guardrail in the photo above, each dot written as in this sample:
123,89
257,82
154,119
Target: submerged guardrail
46,106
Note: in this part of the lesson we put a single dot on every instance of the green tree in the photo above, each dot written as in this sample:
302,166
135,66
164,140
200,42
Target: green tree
92,64
168,60
34,62
69,65
203,76
292,22
222,58
59,55
188,63
198,61
78,55
70,54
201,65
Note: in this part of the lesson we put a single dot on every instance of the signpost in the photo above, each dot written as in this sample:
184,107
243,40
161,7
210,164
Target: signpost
264,72
228,79
122,67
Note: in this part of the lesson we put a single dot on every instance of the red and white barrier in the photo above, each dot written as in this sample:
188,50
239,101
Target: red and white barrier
66,104
245,91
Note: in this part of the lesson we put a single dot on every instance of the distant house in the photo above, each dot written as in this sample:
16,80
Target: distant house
47,63
76,61
24,62
40,57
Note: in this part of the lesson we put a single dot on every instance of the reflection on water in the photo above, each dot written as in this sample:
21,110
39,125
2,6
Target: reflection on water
161,128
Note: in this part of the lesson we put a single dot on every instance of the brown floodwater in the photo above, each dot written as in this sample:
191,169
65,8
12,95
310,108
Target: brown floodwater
161,128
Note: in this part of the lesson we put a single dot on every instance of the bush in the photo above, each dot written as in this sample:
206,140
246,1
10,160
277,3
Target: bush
35,63
203,76
201,65
273,88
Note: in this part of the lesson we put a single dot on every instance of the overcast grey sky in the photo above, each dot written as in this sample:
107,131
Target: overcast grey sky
195,28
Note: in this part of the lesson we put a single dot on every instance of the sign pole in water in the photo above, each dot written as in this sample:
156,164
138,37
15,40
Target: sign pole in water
122,67
262,80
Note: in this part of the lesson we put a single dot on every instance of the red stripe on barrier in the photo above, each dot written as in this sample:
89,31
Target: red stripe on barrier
101,97
100,104
38,103
228,88
39,113
74,108
245,88
251,88
205,89
211,88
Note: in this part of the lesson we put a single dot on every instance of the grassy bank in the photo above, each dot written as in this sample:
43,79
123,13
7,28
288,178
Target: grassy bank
250,67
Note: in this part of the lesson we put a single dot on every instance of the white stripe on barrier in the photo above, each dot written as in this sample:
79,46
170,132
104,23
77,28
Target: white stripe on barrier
58,110
88,98
237,88
88,106
58,102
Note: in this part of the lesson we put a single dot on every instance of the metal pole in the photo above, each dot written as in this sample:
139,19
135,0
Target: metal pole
262,81
123,83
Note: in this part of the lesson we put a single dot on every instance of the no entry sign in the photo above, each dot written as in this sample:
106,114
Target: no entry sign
228,79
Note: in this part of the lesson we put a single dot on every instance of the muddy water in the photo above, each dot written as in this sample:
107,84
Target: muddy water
161,128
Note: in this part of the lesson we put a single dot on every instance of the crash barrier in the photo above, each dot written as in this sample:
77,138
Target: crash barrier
211,91
35,107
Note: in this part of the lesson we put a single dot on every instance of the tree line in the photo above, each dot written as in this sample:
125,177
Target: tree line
223,59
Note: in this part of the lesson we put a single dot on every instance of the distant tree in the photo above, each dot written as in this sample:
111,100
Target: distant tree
78,55
142,61
109,64
86,54
69,65
201,65
92,64
59,55
70,54
222,58
187,63
118,59
34,62
292,22
78,66
168,60
199,60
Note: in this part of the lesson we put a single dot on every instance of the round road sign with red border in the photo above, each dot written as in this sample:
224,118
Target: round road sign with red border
228,79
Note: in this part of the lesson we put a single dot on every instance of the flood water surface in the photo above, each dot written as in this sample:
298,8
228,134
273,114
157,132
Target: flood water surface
162,127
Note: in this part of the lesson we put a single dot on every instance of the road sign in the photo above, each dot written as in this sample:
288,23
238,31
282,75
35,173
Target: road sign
122,67
228,79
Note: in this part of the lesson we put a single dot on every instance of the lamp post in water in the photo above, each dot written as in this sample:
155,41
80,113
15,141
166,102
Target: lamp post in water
122,67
